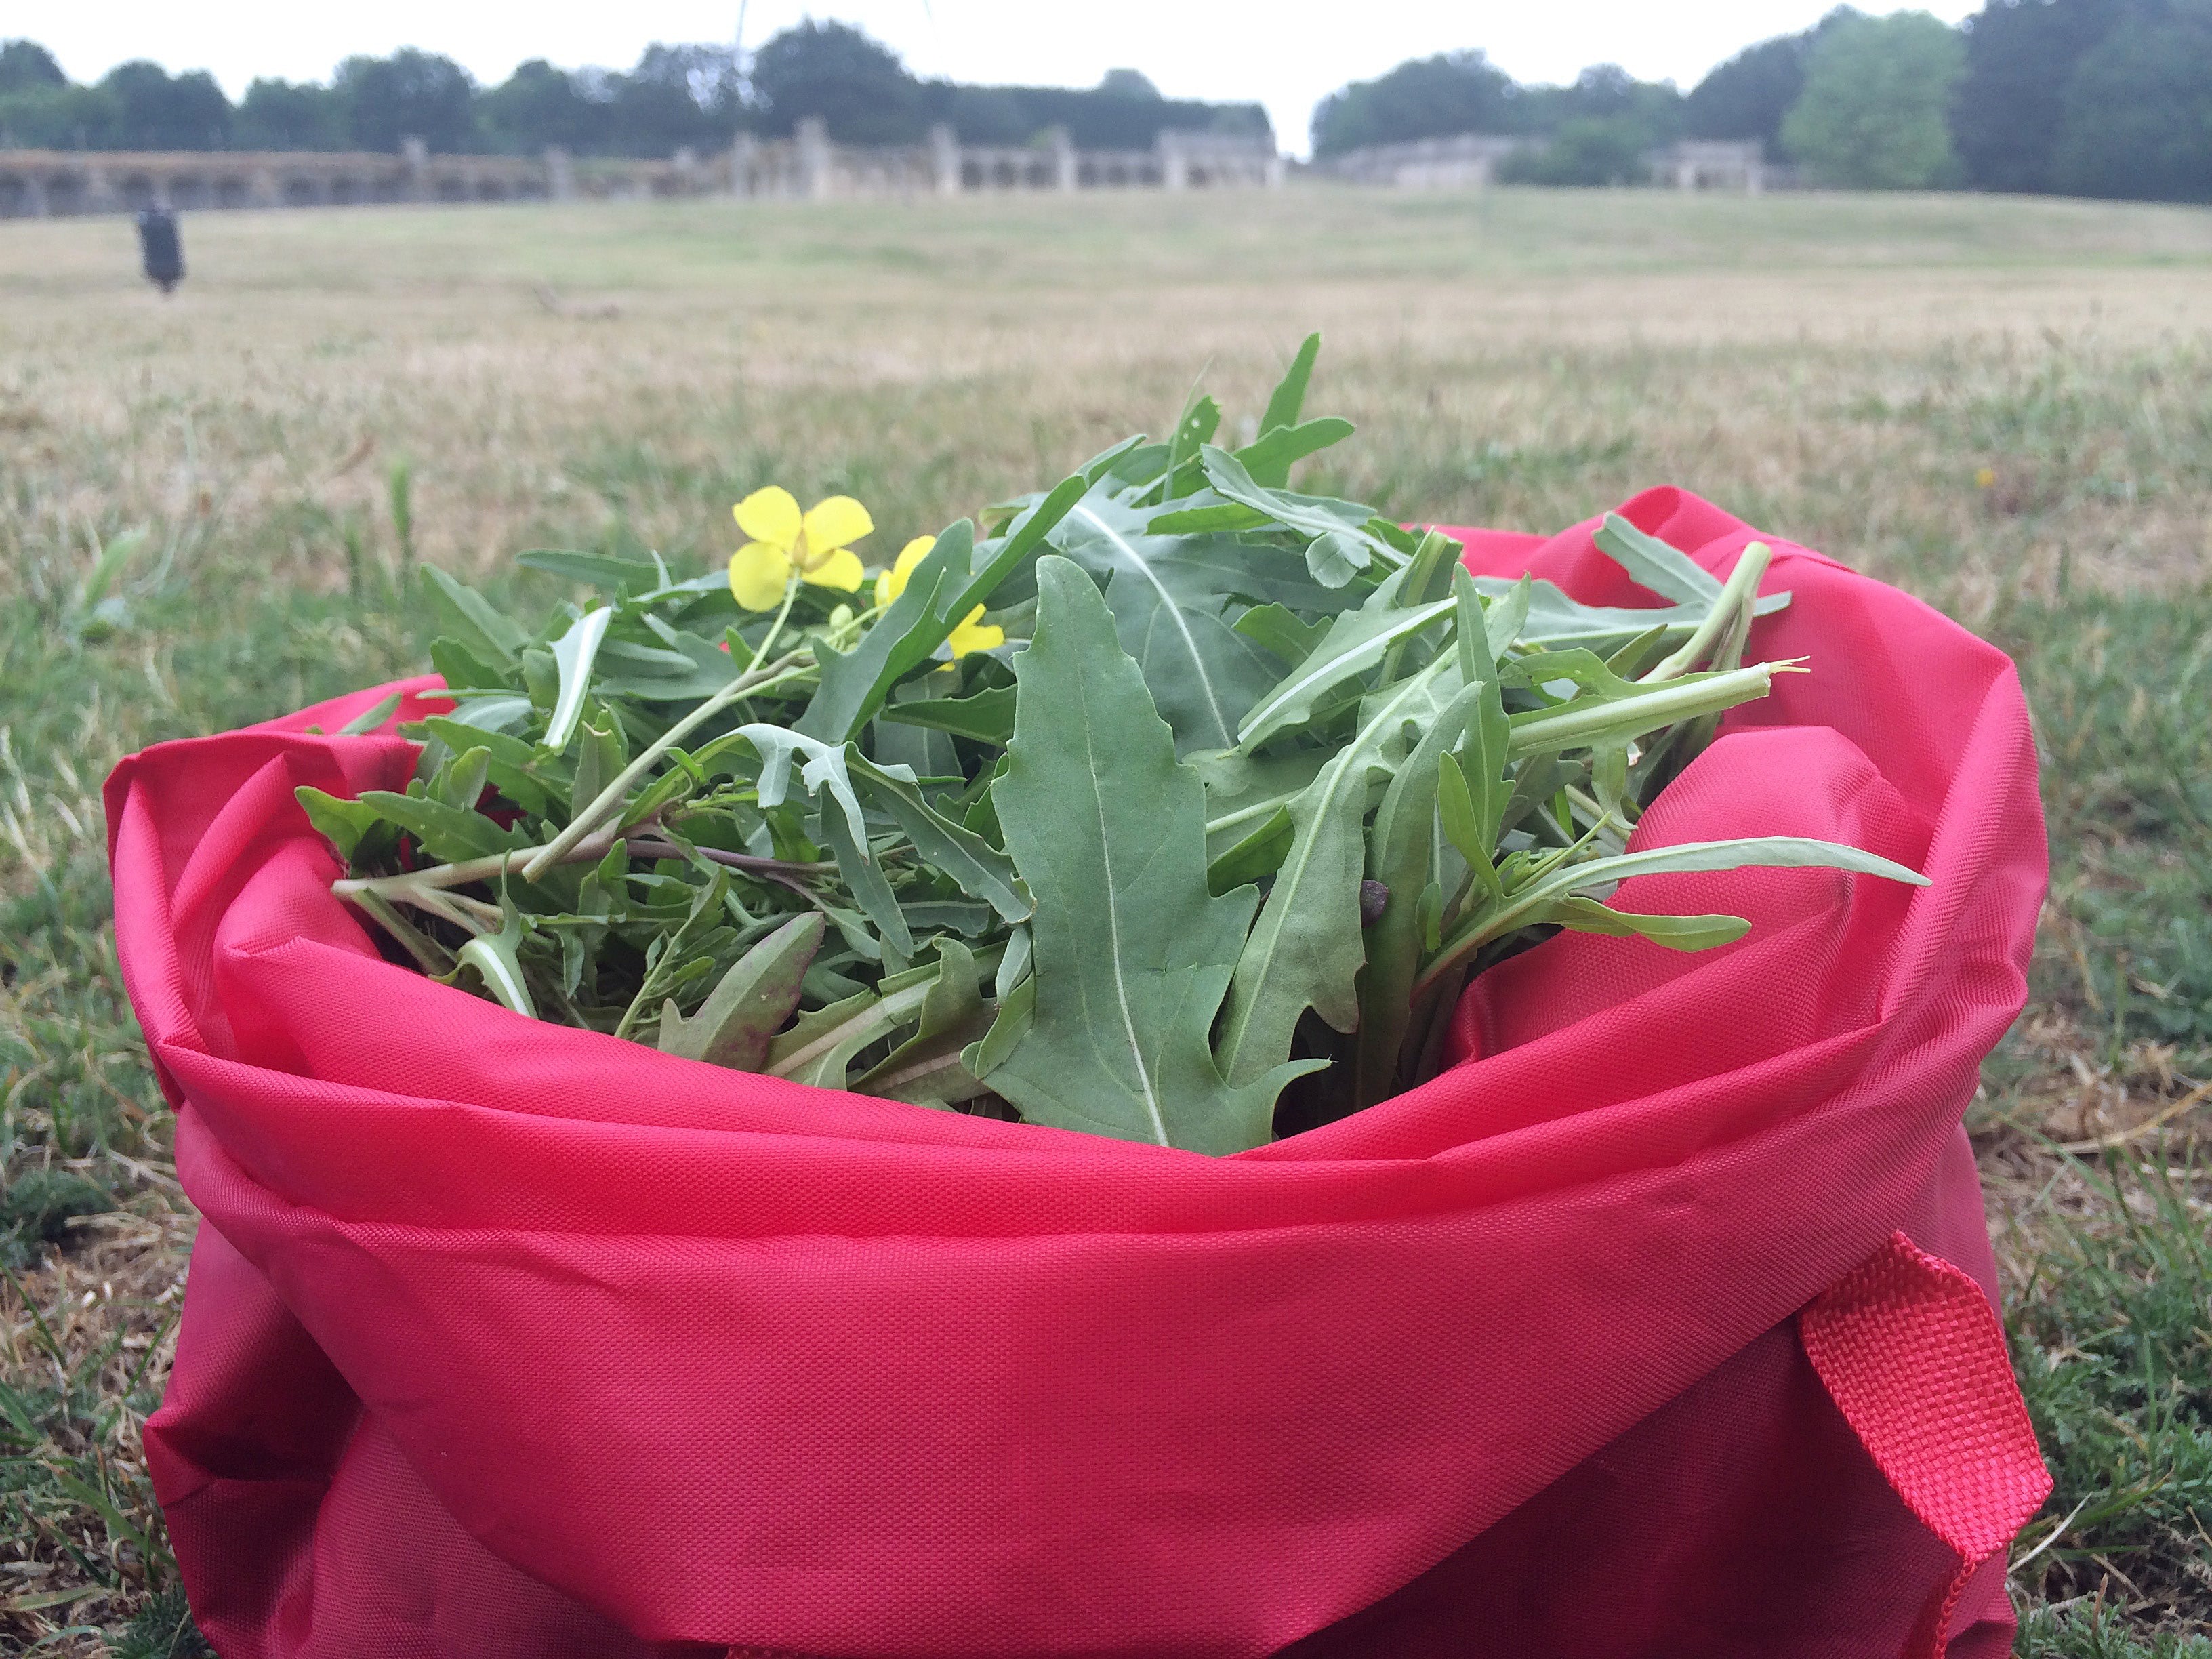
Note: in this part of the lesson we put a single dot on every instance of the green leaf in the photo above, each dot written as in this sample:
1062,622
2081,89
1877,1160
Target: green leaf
1201,673
463,671
1308,946
1242,791
751,1002
1207,514
599,760
1669,573
1592,720
369,718
497,958
1023,538
1258,855
1281,632
1402,847
1356,642
1017,1013
1313,516
825,768
855,683
448,834
1334,558
1586,915
600,570
1132,954
1201,420
511,764
821,1046
1516,910
864,877
1269,458
575,651
988,716
472,621
341,822
927,1069
980,868
1288,397
461,781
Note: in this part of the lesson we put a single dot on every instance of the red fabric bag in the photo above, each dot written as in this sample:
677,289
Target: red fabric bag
1661,1323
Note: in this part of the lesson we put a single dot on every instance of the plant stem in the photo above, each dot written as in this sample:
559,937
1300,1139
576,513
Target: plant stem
790,592
746,861
1582,723
610,798
460,874
1741,590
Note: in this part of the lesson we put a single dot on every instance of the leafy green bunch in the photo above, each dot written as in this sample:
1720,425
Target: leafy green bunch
1173,805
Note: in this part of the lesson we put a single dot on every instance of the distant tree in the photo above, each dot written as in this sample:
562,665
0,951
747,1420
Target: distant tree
2021,54
540,105
675,96
288,115
1095,120
1434,97
1585,149
832,71
1877,93
409,94
154,110
1747,96
1127,83
57,117
25,65
2138,111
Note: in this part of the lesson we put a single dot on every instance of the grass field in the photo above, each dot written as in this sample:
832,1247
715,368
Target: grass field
208,505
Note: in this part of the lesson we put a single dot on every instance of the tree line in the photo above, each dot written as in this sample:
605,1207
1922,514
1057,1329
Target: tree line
2082,97
2106,98
699,96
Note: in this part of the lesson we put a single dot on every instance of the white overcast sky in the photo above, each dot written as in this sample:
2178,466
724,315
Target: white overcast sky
1287,56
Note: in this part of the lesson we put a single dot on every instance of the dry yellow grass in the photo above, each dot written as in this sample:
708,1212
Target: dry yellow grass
1840,367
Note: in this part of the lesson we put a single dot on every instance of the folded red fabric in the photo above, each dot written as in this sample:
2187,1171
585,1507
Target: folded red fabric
503,1339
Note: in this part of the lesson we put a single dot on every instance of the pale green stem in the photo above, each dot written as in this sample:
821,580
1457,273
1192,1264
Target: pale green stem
1741,589
1583,723
610,799
790,592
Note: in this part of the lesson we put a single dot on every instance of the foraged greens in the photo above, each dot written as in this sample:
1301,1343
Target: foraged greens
1175,806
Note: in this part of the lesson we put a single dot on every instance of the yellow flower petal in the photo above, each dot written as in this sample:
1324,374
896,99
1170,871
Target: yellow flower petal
757,574
841,570
836,522
974,635
770,515
893,581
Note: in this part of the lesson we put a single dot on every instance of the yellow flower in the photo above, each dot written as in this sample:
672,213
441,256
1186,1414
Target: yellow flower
972,634
815,544
1986,478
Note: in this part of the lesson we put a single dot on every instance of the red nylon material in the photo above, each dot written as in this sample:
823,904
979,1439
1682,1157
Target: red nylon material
509,1339
1914,1357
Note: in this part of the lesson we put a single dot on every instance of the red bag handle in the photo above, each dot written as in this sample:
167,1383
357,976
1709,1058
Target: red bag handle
1915,1358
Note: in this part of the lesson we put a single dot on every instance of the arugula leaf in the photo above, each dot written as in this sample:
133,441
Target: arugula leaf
1202,674
988,716
575,651
855,683
980,868
750,1003
476,624
1288,399
1307,947
1356,642
1132,953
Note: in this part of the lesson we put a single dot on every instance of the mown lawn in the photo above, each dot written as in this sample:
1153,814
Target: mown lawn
209,508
